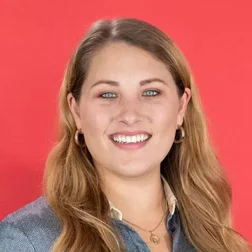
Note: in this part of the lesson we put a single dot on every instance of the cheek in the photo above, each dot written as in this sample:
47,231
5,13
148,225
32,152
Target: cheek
94,121
165,116
165,123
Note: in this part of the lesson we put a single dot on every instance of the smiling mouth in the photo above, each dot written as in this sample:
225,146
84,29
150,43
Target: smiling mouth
134,139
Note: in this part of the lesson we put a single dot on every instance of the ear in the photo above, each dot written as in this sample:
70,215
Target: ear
74,108
183,102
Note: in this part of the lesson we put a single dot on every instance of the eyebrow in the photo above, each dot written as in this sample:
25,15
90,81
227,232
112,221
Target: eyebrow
115,83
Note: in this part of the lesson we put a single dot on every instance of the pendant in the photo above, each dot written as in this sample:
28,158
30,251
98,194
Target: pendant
155,239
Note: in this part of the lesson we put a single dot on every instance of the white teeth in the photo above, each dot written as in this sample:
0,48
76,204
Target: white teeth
123,139
138,138
130,139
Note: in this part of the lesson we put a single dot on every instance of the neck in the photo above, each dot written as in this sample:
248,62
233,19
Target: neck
137,198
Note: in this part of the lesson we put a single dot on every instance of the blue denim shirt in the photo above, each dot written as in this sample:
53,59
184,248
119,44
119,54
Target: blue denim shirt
35,227
135,243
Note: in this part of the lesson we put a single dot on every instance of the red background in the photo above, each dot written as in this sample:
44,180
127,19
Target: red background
38,37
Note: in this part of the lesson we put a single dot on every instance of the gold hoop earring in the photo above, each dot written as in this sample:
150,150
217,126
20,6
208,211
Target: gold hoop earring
77,140
181,135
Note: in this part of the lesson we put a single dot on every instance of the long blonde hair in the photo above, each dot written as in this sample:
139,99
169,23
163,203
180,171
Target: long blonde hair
191,168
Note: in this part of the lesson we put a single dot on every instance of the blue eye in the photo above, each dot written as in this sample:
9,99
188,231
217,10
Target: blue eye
108,95
151,93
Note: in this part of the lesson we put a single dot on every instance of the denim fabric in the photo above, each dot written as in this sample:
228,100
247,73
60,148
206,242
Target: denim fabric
35,227
135,243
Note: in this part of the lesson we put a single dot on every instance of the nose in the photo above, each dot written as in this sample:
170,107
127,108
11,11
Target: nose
130,112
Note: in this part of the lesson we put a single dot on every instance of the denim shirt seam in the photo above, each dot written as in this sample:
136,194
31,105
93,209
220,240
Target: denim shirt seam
23,232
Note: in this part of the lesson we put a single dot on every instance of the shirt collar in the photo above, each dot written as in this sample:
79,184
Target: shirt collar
170,197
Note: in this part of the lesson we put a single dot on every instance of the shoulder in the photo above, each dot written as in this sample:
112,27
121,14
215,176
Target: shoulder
33,227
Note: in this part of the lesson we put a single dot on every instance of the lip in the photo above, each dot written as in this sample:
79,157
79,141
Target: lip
129,133
130,146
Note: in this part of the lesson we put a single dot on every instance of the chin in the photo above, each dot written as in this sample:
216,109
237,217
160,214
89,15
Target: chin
132,171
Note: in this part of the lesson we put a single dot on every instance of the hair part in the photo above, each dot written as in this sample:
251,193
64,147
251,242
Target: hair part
192,169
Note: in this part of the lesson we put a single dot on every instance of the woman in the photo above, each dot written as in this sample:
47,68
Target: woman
133,169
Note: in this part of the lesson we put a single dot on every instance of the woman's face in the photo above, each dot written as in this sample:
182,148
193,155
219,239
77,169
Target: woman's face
127,97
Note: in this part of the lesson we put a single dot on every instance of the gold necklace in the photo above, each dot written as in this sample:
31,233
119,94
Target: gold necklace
153,237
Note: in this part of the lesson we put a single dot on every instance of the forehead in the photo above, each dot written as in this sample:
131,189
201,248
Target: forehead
121,60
